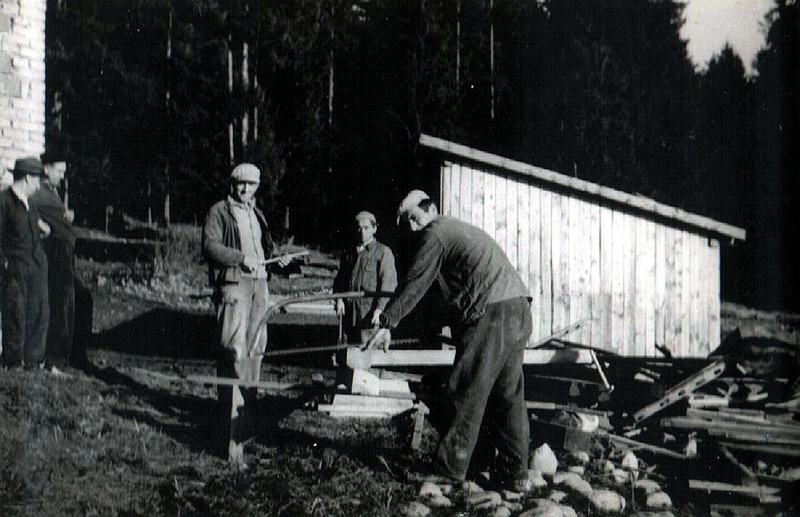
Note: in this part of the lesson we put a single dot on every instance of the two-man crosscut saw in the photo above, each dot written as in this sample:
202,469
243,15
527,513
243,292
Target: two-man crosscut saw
312,298
329,348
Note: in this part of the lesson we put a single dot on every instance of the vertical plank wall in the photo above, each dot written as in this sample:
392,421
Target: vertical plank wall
636,283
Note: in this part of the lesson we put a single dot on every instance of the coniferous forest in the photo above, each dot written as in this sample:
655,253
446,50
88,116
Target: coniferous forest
152,101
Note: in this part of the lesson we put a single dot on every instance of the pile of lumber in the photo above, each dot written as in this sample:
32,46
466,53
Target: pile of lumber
736,416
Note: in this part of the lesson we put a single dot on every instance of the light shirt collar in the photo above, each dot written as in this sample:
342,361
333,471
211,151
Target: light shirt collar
362,247
235,202
19,191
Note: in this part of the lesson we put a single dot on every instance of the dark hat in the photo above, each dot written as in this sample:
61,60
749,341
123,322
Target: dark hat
28,166
49,157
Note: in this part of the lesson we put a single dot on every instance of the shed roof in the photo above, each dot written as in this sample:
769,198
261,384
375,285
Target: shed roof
585,188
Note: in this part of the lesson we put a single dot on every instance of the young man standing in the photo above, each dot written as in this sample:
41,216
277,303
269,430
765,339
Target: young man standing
369,266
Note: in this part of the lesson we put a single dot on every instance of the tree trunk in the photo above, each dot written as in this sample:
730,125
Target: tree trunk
491,58
458,42
167,218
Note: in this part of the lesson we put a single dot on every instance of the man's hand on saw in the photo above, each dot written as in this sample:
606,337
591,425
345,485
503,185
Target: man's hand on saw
382,338
249,264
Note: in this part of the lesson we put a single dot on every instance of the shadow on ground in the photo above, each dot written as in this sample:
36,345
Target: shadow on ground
190,419
164,332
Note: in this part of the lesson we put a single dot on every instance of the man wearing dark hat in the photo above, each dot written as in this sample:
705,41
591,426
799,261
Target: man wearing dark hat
492,327
24,269
236,242
62,278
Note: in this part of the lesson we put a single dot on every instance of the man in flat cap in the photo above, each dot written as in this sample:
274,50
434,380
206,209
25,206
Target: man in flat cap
369,266
23,266
65,288
492,329
236,242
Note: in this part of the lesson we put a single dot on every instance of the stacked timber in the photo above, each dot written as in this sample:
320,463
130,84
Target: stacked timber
737,416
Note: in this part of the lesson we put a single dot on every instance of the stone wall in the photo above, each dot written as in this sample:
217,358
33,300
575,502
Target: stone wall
22,79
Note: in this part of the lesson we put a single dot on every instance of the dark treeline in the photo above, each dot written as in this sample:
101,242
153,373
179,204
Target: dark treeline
152,100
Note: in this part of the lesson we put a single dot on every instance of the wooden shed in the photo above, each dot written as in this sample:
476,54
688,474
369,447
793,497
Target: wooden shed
635,272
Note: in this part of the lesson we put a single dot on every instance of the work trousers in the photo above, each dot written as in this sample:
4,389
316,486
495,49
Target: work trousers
242,340
61,294
25,314
487,386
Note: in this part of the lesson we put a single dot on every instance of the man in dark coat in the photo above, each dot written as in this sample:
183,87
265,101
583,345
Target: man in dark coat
492,329
23,267
64,284
369,266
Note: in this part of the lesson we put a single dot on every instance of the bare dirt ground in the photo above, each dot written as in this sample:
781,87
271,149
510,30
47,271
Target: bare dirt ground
129,435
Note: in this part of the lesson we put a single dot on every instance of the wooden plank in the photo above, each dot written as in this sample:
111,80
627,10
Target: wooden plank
629,285
659,289
546,262
775,450
604,309
593,334
681,347
585,284
419,423
354,412
213,380
575,274
478,197
446,188
758,417
584,187
367,401
619,244
640,285
681,390
718,425
378,358
672,289
640,445
512,189
534,233
649,288
556,243
501,211
565,264
713,295
691,260
465,194
489,207
757,437
703,275
715,486
455,191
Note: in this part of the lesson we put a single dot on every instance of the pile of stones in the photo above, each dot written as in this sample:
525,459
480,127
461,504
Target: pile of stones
576,485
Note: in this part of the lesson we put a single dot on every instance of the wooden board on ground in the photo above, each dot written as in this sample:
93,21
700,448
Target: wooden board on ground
345,405
377,358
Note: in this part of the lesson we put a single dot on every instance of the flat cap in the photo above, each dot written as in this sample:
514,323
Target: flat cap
246,173
413,199
28,166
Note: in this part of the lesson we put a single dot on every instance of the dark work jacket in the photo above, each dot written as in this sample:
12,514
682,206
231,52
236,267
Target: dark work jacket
19,232
371,270
51,210
470,267
222,245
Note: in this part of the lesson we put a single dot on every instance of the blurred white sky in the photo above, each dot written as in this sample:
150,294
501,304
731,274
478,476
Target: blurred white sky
710,23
